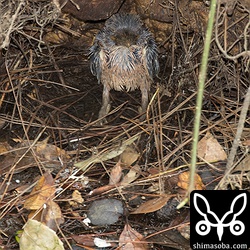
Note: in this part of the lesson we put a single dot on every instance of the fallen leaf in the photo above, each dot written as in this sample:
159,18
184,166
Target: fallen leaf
115,174
130,239
84,239
91,240
102,189
131,176
52,216
105,155
22,158
76,199
37,236
183,181
50,155
129,156
210,150
41,193
152,205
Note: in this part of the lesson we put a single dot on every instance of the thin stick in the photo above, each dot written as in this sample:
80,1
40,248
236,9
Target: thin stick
230,166
202,78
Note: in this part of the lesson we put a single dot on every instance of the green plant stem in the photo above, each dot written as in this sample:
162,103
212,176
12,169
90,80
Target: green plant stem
202,78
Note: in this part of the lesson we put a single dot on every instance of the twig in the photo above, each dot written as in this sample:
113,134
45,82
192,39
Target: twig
230,166
14,17
244,54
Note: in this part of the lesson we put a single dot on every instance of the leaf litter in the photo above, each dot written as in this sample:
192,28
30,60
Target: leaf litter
33,106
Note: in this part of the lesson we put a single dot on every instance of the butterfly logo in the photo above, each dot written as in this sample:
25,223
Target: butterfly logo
203,227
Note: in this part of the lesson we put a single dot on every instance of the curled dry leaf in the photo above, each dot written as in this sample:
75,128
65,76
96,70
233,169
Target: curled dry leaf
84,239
130,239
183,181
210,150
115,174
132,175
76,198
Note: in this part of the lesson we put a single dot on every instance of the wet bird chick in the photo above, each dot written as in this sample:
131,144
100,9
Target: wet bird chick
124,57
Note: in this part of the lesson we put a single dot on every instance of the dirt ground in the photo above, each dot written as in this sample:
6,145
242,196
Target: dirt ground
54,152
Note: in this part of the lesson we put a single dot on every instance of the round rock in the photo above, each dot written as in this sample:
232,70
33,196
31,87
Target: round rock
105,211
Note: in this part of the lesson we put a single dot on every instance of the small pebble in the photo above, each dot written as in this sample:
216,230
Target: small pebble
105,211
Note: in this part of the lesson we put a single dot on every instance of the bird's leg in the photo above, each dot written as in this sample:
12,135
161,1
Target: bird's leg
105,104
144,101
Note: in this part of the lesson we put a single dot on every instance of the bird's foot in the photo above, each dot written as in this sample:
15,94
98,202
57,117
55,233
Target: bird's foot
142,113
102,115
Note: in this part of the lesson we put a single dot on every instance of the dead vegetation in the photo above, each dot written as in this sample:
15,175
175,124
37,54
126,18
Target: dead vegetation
54,153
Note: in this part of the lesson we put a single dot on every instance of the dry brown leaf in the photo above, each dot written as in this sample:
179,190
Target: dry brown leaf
76,196
23,189
105,155
152,205
129,156
130,239
90,240
102,189
210,150
35,215
76,199
116,174
115,177
84,239
41,193
50,154
16,158
183,181
52,216
132,175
